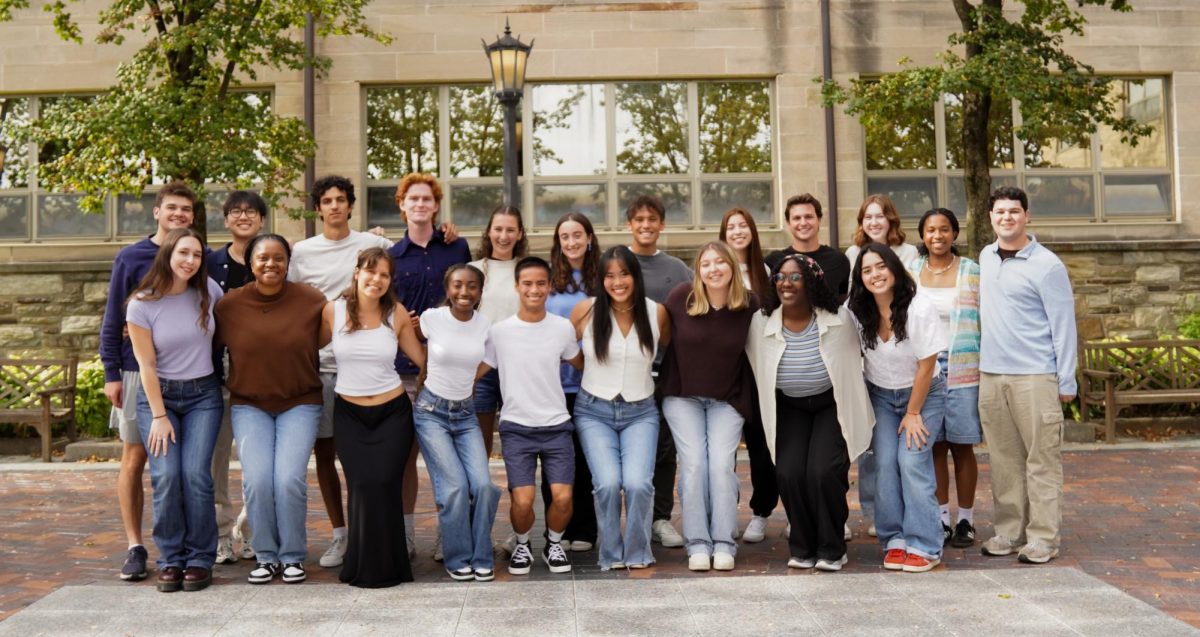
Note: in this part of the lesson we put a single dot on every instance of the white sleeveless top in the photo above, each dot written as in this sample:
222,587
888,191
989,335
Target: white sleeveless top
366,359
626,372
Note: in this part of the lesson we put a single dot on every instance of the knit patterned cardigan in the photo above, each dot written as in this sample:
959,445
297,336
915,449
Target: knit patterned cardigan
964,323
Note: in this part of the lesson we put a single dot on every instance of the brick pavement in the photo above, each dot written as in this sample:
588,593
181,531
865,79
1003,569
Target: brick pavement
1131,519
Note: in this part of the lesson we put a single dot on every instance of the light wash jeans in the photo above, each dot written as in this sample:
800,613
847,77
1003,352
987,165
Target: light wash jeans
620,441
906,510
866,485
185,518
462,486
274,449
706,433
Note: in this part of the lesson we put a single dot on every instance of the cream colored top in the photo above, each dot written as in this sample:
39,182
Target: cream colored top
626,372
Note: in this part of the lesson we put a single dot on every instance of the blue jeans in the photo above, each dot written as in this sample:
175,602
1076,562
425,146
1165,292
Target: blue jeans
274,449
462,486
866,485
185,517
706,432
906,510
619,441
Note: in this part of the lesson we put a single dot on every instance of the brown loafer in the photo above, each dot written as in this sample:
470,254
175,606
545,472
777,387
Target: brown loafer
196,578
170,579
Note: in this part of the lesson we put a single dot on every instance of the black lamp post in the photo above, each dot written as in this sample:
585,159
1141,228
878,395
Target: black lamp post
508,57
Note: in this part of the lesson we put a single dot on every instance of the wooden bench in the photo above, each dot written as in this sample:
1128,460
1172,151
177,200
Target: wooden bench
39,393
1118,374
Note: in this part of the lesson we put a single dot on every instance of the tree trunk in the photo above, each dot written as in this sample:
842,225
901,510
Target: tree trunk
199,215
977,176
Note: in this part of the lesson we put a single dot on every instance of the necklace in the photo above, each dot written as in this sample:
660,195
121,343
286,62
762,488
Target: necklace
623,309
943,270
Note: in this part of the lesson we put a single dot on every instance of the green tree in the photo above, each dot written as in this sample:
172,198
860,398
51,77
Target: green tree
996,58
175,111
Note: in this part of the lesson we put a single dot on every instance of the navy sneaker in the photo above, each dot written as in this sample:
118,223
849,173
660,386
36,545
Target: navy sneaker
134,569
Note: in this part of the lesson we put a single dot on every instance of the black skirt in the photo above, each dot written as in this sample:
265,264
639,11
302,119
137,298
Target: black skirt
373,444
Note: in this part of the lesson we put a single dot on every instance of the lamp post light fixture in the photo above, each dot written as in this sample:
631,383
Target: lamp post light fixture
508,57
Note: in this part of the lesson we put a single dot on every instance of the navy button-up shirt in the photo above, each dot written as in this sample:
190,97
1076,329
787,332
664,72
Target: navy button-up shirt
418,280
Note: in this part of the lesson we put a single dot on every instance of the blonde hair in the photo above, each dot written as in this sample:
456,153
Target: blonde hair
739,296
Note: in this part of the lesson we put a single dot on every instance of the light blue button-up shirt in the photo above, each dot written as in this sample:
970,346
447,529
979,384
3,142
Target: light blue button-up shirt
1027,315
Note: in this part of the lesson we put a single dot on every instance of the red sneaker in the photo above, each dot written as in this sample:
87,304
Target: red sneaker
894,560
918,564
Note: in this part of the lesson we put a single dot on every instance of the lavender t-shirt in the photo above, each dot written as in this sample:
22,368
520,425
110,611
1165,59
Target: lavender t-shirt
182,350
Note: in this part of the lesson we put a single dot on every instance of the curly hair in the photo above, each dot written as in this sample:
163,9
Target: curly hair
562,281
476,272
412,179
328,182
819,294
895,235
862,301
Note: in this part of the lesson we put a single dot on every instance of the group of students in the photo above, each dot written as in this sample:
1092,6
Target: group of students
602,365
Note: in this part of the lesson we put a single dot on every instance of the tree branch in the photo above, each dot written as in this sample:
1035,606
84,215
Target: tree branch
966,13
159,23
236,49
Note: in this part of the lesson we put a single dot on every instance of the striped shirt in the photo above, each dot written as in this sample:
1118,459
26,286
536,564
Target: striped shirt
801,370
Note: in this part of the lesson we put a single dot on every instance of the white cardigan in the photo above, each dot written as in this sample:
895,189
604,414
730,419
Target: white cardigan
842,354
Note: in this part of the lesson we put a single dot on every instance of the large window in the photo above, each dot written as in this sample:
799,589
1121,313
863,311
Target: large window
586,147
919,162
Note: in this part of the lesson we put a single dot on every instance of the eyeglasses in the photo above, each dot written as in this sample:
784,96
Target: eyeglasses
249,213
794,277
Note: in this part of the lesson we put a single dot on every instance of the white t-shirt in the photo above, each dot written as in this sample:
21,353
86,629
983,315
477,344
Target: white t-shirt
906,251
499,300
528,356
893,365
328,266
455,350
943,299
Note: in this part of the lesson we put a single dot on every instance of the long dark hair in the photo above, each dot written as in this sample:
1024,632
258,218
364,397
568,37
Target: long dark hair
759,284
862,302
818,292
159,279
485,242
602,323
922,249
562,279
455,268
369,258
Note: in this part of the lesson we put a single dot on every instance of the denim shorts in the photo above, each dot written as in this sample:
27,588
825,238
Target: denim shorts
522,446
961,425
487,393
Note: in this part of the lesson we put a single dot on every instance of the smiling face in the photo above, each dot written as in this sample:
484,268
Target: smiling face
186,259
419,205
464,290
618,283
504,234
269,263
803,222
173,213
646,225
876,276
939,235
334,208
791,293
372,280
875,224
715,271
1009,220
573,239
533,286
737,233
243,222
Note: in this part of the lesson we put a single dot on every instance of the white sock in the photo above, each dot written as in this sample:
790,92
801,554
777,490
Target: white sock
522,538
944,510
555,536
339,532
135,546
408,524
967,514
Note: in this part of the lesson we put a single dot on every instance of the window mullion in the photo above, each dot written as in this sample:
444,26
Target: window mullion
610,155
693,106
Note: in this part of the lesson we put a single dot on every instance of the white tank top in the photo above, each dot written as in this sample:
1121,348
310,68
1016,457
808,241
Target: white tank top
626,372
366,359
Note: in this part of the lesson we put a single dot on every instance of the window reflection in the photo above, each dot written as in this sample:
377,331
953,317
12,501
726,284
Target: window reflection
476,133
1060,195
14,157
472,205
652,128
402,131
60,216
552,202
719,196
676,197
14,216
735,127
1000,125
568,128
1137,194
135,214
912,195
1143,101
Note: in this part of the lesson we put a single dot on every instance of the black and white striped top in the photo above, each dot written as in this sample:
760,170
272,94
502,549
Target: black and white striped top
801,370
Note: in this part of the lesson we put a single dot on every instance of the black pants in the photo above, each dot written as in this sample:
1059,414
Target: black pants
664,468
813,470
762,470
583,521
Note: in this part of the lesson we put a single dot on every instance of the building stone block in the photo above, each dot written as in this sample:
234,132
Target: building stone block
14,284
1079,266
81,324
18,335
1157,273
1153,317
1129,295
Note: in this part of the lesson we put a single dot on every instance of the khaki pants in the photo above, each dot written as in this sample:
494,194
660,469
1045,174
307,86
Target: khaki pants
1023,426
227,516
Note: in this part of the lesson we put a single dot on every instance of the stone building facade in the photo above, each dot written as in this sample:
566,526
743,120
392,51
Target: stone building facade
1127,224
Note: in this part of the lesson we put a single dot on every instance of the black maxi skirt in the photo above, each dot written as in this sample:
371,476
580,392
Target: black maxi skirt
373,444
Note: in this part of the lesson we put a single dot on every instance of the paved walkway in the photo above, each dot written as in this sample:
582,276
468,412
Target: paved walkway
1131,545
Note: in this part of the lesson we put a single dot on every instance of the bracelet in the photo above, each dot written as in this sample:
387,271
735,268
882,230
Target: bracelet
157,417
912,413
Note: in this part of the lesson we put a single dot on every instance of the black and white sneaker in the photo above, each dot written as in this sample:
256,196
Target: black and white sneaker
521,560
947,533
964,535
556,558
484,575
293,573
263,573
134,569
464,574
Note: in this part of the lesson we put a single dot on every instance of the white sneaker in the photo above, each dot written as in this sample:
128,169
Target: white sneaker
847,534
335,553
756,530
808,562
438,556
699,562
871,531
578,546
832,565
246,552
787,531
411,540
225,553
504,548
664,533
722,561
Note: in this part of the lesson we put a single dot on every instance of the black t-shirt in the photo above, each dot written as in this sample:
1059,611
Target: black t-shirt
1005,255
834,263
239,274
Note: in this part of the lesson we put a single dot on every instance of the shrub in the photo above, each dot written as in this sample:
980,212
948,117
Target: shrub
1190,327
91,405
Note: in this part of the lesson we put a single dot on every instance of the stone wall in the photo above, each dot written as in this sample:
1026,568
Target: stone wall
1131,289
